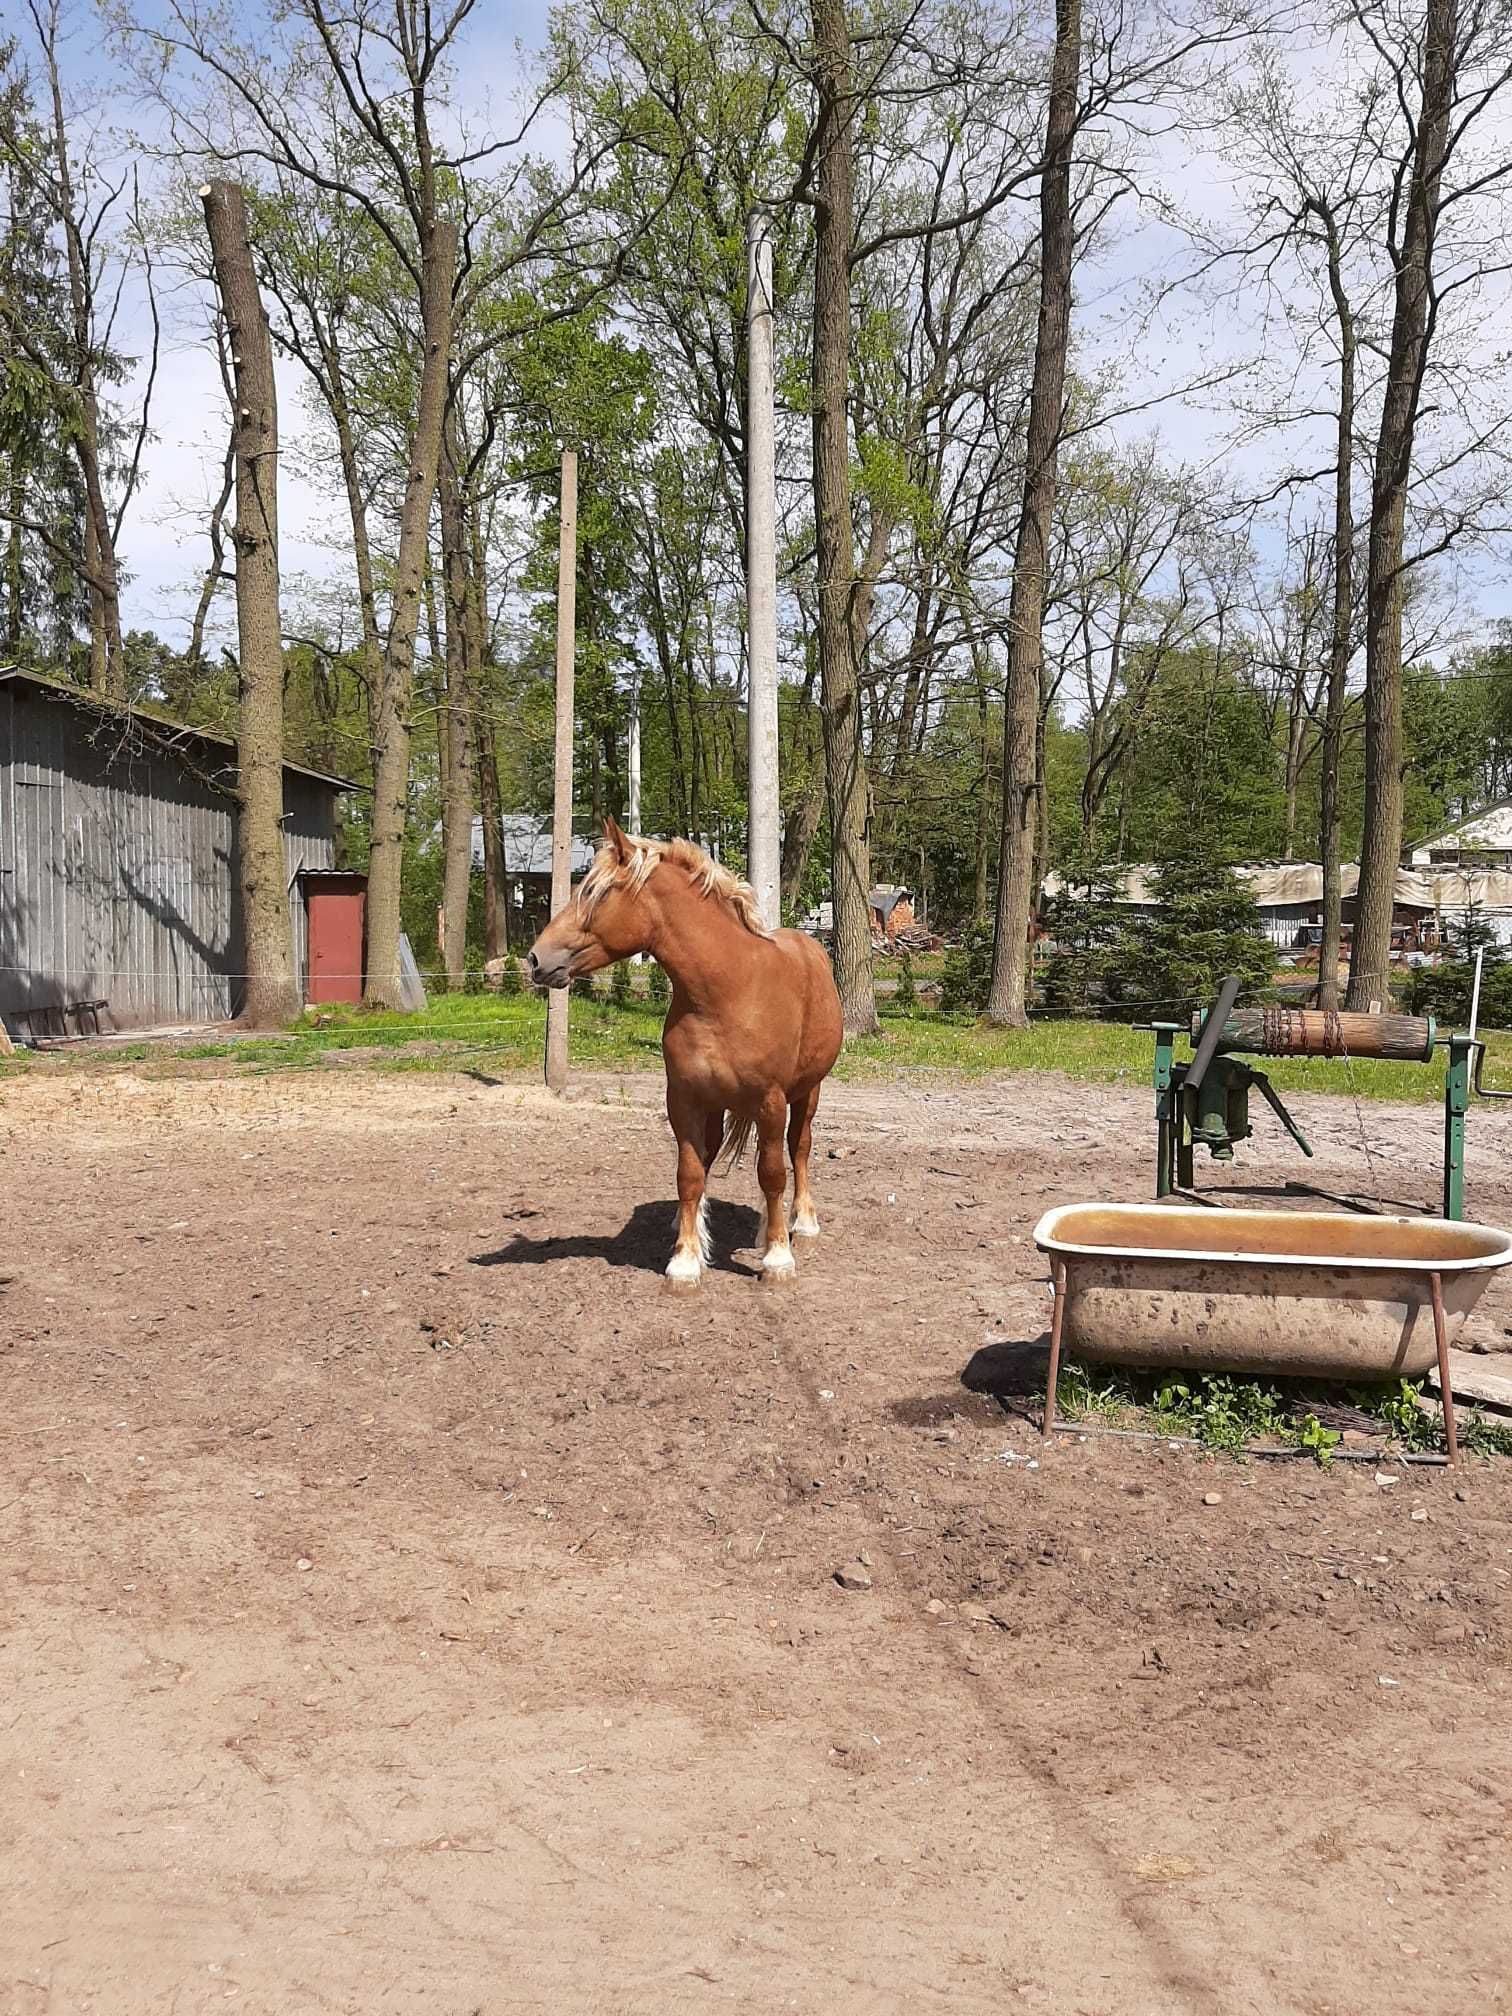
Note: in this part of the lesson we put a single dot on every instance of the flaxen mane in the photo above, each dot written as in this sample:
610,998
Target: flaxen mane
646,856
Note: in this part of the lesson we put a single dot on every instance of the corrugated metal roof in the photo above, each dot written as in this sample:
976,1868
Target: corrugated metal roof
161,727
527,845
1490,828
1285,884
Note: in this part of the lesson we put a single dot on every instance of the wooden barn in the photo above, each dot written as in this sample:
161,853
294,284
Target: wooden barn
118,888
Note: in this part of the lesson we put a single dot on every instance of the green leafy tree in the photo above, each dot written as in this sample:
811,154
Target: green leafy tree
1205,927
967,973
1086,923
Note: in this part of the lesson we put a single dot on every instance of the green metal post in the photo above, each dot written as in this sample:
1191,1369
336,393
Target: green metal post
1165,1108
1456,1105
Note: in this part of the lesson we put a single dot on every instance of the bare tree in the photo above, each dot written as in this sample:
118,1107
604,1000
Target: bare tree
1021,785
454,730
1416,201
80,200
271,995
840,713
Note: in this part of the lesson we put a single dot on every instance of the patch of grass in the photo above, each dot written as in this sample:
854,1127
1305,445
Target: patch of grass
509,1032
1485,1437
1225,1413
1114,1053
1399,1412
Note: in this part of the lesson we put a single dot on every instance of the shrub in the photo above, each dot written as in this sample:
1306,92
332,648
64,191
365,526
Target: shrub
1444,993
1206,926
1085,924
658,986
906,995
511,979
584,987
620,991
967,974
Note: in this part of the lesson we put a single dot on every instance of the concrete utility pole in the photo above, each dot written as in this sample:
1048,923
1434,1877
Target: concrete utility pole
763,841
561,800
633,808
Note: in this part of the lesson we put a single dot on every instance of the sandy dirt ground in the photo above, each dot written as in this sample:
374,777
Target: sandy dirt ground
412,1605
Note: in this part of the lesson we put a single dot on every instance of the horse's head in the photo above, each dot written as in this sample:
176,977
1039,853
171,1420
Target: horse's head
605,920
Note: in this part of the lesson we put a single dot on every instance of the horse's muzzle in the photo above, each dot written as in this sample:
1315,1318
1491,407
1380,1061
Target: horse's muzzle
554,970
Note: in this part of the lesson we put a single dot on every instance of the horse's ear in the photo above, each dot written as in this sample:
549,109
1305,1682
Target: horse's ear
616,839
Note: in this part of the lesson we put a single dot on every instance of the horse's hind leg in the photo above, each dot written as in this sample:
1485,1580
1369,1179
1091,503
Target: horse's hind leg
771,1169
800,1136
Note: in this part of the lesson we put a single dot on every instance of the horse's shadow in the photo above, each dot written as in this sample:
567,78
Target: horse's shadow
643,1242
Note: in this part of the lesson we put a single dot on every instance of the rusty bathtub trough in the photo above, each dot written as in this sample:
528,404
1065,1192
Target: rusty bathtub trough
1313,1295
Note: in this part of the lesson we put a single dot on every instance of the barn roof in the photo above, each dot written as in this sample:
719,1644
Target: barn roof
1489,829
149,721
1285,885
527,844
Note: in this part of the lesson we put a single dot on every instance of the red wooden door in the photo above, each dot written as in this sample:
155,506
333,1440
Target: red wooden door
336,916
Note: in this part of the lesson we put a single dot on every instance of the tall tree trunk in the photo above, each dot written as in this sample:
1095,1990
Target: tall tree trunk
495,867
799,831
486,755
1370,956
271,996
1295,723
1343,621
1026,612
392,723
981,666
1042,802
457,794
845,761
351,476
918,652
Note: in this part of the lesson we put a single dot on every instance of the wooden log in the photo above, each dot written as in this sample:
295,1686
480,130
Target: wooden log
1319,1032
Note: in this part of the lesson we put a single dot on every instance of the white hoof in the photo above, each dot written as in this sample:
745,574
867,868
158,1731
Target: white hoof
805,1224
777,1262
685,1268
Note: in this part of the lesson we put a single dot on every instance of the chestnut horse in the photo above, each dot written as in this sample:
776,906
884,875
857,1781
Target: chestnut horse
753,1030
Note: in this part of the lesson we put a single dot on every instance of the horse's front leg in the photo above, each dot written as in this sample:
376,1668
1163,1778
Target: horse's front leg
771,1170
690,1255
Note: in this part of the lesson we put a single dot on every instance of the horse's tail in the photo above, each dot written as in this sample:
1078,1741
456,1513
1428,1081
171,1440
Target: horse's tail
737,1138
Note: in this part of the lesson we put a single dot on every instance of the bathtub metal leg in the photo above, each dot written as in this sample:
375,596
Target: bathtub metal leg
1058,1277
1446,1389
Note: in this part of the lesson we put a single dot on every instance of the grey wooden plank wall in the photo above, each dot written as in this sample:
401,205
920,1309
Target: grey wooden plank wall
117,866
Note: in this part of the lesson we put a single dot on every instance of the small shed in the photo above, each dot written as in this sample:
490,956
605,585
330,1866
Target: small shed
891,906
892,909
118,886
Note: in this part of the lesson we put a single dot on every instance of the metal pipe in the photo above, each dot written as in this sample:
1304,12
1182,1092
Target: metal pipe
1446,1388
1058,1276
1212,1031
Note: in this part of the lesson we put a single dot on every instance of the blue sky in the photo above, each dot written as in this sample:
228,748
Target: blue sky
164,546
